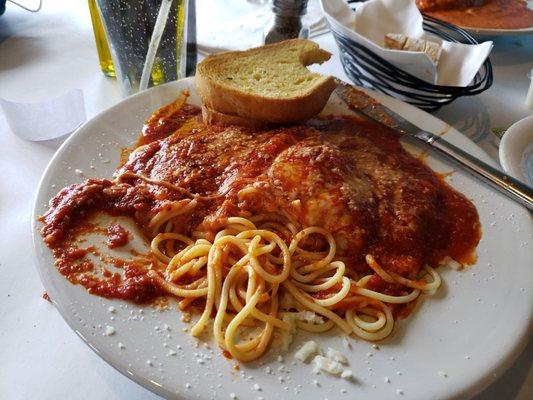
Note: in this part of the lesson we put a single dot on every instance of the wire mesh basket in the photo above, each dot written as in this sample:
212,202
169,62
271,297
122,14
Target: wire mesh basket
365,68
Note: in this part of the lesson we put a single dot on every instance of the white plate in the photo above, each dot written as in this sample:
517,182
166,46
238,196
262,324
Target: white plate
471,330
498,32
516,150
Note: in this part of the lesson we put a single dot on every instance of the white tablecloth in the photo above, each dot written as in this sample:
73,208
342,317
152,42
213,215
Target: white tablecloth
42,56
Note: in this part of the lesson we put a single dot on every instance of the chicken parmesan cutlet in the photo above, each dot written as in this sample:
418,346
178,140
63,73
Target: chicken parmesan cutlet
257,227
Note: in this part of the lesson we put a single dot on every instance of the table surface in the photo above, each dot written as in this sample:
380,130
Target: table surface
44,55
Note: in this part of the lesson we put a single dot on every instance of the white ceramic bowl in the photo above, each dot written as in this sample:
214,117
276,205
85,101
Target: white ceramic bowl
516,150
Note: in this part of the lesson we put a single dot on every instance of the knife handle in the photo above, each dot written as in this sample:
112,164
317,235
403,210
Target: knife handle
499,180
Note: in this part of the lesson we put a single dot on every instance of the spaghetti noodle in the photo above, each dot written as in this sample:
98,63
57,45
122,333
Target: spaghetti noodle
241,275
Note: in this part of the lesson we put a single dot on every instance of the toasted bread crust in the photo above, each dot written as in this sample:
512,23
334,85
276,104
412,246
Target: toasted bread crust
234,102
213,117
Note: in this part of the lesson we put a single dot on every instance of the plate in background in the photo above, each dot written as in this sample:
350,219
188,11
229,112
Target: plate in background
478,31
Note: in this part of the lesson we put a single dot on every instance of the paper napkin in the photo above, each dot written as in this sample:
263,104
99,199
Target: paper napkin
45,120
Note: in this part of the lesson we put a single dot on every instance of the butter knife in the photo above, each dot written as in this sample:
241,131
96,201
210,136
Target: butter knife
377,113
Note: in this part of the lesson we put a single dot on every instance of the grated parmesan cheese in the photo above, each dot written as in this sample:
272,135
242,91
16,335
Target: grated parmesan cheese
287,335
308,349
451,263
323,364
290,318
309,317
336,355
109,331
347,374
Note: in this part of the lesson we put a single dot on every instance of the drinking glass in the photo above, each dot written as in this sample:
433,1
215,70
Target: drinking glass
147,39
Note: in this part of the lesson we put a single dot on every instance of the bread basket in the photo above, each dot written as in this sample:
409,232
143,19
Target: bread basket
365,68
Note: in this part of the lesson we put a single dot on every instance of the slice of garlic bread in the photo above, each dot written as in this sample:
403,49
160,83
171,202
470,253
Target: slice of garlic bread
213,117
269,83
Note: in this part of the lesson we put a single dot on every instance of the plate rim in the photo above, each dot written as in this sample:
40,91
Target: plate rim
36,242
468,391
498,32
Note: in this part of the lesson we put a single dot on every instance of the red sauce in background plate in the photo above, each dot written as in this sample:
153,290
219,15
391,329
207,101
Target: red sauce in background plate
492,14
